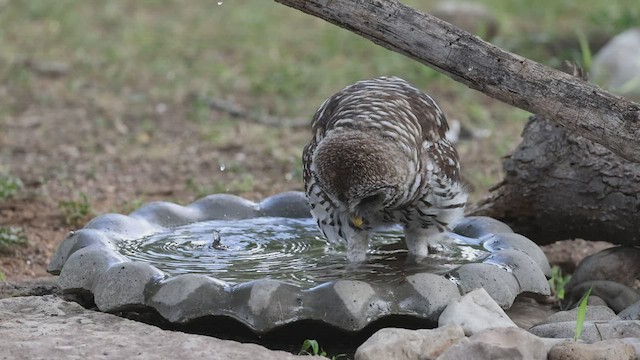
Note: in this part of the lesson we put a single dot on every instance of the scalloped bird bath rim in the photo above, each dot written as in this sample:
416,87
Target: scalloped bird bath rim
88,263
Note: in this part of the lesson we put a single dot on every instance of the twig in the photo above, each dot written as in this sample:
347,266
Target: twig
237,111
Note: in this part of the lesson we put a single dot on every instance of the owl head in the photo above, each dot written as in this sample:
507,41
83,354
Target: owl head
361,170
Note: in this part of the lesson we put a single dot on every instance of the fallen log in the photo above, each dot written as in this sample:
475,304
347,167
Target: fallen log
583,108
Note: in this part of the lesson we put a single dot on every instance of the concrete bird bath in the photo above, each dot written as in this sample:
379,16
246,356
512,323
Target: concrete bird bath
265,266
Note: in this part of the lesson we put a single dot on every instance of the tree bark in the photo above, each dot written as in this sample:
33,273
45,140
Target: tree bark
560,186
585,109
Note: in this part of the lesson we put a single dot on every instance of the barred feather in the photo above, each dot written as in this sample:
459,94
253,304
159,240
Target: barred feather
379,153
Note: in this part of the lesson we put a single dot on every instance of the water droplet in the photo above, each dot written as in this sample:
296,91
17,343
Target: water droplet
470,68
219,2
222,167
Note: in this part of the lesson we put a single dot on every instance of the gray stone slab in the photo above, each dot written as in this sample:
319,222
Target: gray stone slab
47,327
474,312
592,331
501,343
593,313
403,344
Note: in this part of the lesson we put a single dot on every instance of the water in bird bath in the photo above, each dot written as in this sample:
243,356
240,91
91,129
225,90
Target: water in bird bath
286,249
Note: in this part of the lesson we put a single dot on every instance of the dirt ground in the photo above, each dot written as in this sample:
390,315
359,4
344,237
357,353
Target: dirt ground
59,152
95,147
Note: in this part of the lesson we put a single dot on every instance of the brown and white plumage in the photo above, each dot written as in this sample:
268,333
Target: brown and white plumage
379,156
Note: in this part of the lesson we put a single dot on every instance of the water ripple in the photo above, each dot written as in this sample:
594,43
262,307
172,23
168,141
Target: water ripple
286,249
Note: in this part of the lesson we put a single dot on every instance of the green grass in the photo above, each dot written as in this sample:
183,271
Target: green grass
76,211
265,56
11,237
311,347
582,312
558,282
9,186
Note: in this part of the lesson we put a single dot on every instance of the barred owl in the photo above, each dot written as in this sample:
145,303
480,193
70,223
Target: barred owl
378,157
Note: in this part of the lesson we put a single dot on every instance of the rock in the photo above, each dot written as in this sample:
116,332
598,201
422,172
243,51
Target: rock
502,343
620,264
472,17
601,350
502,285
616,296
475,312
631,312
594,313
592,331
635,342
400,344
611,273
48,327
527,312
617,65
596,301
568,254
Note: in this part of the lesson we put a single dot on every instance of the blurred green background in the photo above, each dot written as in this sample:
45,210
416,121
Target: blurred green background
128,59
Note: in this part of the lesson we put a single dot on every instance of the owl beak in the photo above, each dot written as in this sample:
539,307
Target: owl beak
357,221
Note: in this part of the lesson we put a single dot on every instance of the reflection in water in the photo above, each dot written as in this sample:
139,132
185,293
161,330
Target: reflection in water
291,250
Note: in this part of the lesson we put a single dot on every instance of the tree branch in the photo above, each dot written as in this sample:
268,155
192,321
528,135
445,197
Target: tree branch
583,108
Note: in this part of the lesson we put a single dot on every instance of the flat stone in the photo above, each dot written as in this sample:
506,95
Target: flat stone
403,344
591,332
631,312
527,312
475,312
601,350
502,343
635,342
47,327
593,313
478,226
